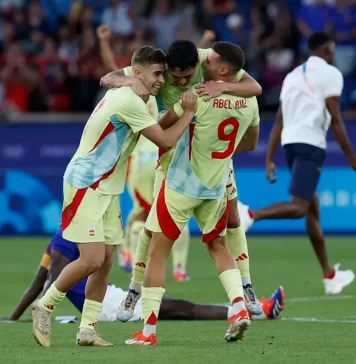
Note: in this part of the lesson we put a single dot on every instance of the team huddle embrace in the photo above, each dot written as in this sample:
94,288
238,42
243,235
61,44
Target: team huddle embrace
196,107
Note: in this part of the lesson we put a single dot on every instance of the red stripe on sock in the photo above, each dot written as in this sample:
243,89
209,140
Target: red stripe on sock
244,256
152,320
141,264
237,299
50,307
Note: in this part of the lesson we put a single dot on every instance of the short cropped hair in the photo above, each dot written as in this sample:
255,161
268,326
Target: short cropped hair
147,55
182,54
318,39
231,54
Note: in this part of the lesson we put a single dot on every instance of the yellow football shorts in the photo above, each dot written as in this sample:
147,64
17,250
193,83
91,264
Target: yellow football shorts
171,211
91,217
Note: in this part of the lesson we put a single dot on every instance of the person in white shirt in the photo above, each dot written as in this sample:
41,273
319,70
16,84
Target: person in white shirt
309,105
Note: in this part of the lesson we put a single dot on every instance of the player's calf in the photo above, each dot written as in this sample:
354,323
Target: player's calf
230,278
153,291
237,245
92,257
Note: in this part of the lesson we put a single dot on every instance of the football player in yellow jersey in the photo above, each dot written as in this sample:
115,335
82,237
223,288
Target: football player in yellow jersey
140,183
94,178
184,69
196,186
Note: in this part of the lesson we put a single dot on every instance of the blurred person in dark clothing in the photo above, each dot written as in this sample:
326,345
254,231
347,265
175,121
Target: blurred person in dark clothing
343,25
312,17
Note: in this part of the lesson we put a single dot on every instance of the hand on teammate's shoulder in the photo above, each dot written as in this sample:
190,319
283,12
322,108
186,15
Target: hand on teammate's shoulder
210,89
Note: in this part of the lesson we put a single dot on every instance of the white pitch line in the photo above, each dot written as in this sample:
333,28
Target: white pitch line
307,299
315,319
320,298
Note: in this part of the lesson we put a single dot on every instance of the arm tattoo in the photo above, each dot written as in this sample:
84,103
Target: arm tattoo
108,81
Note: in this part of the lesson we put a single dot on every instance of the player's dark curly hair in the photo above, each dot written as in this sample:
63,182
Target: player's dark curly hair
318,40
182,54
147,55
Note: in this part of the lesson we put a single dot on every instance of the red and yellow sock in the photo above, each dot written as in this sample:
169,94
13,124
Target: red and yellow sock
51,298
90,314
151,303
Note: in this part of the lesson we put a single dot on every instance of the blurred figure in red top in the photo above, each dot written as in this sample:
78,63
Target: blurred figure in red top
14,77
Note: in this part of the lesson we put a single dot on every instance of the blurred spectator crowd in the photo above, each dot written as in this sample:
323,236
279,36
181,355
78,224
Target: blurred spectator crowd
50,59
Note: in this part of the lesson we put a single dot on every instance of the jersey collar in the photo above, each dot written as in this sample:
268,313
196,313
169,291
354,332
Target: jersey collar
316,59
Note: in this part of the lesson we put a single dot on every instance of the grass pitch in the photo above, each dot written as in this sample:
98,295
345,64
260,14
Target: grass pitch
315,328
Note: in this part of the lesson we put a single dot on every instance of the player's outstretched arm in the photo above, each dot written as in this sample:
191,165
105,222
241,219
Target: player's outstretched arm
338,129
31,293
250,140
166,139
206,39
176,309
106,53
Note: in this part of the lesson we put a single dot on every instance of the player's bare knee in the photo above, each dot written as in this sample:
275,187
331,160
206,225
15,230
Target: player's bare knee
90,265
91,260
299,211
216,246
300,207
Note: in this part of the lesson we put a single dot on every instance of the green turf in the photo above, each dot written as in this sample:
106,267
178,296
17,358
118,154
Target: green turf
275,261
